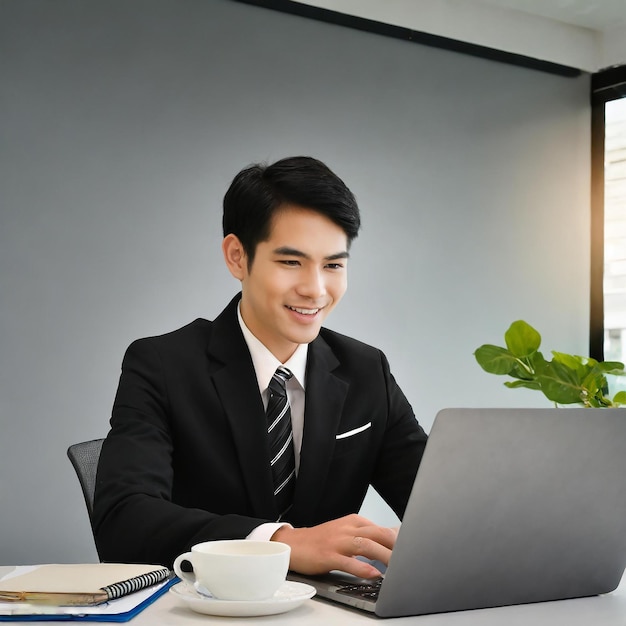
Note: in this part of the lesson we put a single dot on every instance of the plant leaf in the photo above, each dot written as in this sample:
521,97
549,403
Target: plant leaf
614,368
529,384
522,339
577,363
620,398
494,359
561,384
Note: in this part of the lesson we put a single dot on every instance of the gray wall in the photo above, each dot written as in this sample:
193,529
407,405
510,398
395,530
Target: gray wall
122,123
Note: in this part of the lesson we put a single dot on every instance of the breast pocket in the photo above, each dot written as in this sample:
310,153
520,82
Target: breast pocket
352,439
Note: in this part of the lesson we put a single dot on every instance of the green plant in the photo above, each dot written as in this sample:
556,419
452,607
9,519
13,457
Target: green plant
566,379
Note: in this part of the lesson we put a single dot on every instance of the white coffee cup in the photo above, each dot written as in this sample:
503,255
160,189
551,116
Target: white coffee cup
236,569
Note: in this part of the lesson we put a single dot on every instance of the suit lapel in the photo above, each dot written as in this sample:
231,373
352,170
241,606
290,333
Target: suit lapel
235,381
236,384
325,397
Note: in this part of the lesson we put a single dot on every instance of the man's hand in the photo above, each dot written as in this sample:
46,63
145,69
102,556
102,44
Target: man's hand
334,545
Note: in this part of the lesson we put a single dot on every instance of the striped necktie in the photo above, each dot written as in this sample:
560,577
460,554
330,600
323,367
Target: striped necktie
281,440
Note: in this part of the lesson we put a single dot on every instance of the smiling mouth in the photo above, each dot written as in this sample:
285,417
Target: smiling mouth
303,311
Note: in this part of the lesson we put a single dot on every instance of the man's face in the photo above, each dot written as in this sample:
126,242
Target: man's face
297,277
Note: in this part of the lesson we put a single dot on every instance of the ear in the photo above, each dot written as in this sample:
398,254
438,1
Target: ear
235,256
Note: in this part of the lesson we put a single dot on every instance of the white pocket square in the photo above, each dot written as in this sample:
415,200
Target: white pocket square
354,431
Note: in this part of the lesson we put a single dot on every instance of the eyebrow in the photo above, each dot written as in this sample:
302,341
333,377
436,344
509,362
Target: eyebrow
287,251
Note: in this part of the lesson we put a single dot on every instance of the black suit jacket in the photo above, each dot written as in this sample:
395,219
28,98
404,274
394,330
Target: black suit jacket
186,459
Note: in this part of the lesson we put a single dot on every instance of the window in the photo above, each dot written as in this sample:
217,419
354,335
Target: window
608,220
614,284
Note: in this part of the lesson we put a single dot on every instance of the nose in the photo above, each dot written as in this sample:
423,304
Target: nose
313,284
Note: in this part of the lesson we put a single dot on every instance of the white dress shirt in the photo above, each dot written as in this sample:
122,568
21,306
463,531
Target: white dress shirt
265,364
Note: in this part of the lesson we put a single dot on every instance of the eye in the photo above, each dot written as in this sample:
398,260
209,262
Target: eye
334,266
289,262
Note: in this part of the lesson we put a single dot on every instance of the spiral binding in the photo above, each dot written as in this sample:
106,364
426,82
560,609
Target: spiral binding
124,587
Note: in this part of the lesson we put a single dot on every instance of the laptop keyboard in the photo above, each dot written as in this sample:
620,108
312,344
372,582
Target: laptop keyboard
369,591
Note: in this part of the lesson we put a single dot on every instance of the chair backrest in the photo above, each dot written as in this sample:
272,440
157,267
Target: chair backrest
84,457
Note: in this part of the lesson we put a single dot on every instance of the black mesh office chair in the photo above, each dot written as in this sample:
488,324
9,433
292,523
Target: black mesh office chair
84,457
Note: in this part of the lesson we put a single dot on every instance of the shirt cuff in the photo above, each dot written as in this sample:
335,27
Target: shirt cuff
264,532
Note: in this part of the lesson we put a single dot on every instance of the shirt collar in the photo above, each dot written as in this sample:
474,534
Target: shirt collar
265,363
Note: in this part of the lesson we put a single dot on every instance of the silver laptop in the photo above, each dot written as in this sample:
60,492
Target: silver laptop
509,506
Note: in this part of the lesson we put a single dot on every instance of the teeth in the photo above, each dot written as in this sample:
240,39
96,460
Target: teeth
304,311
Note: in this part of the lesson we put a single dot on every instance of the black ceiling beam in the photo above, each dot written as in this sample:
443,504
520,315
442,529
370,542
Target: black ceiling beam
415,36
608,84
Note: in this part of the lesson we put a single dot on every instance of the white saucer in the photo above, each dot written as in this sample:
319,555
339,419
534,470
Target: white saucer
288,597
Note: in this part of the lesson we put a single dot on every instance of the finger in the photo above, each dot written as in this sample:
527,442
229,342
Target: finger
384,536
360,569
362,546
355,522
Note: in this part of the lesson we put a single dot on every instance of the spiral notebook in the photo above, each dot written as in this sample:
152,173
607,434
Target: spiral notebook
80,584
94,591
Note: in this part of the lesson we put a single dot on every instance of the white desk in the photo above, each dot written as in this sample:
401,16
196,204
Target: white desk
608,610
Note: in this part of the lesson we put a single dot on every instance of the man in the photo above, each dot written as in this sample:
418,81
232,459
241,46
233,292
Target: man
193,455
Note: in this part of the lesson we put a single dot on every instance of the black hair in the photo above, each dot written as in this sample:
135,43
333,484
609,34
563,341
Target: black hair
258,191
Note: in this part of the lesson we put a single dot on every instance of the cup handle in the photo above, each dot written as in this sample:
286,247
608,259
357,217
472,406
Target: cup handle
187,577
